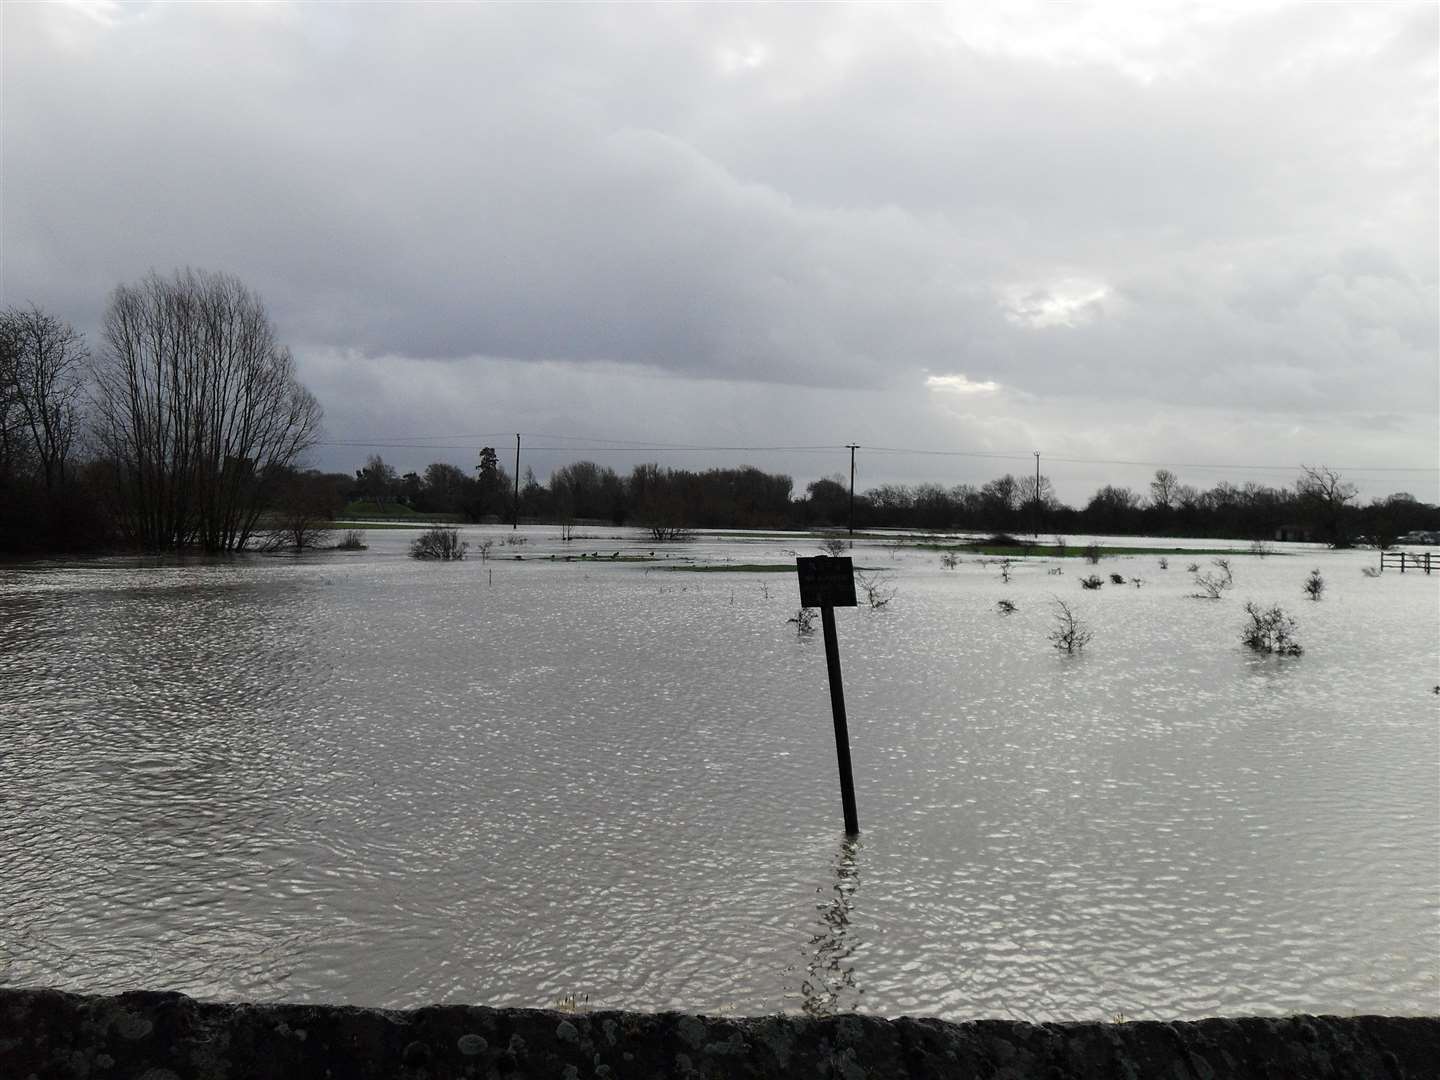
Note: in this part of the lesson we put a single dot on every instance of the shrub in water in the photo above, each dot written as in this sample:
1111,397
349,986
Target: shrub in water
1314,585
804,621
1006,607
438,544
1117,579
354,540
1092,553
1094,581
1270,630
1214,582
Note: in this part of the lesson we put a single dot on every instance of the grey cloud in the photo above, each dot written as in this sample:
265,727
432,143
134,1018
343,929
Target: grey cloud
841,197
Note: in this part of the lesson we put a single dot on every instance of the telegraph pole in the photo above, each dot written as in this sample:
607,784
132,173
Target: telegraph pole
1037,496
852,447
515,516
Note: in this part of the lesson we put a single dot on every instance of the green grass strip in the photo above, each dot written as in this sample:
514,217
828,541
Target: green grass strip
736,568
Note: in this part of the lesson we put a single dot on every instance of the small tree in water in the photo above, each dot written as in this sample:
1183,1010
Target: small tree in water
804,620
1314,585
877,592
1070,634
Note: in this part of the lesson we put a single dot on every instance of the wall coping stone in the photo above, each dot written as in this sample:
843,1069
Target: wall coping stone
145,1035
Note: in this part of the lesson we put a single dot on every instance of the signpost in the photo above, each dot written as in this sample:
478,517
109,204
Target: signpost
827,583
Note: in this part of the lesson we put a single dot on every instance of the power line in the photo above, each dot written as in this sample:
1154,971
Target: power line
634,446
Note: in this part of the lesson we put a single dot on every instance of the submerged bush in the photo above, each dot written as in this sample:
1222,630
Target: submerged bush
354,540
1270,630
438,544
1314,585
1117,579
1094,581
1006,607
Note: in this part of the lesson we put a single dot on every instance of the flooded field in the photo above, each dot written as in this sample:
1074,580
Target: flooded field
352,777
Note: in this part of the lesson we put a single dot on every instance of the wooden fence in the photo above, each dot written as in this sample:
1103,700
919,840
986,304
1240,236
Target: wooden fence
1402,560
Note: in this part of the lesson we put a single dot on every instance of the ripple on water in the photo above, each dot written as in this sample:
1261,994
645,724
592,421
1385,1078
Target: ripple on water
365,779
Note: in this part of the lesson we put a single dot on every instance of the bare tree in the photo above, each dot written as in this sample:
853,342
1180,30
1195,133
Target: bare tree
878,592
1213,583
198,408
1164,489
301,513
42,371
1070,633
1327,494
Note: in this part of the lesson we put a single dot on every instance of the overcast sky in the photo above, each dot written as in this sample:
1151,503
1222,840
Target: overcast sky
1200,234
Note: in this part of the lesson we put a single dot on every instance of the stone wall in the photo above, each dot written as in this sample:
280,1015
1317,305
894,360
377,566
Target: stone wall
48,1034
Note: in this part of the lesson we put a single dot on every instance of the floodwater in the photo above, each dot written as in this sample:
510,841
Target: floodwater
352,777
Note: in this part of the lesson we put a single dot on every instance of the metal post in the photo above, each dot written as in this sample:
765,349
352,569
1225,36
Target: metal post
515,517
1037,496
837,706
853,447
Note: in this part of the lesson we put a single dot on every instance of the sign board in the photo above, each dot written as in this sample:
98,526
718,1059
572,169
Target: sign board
826,581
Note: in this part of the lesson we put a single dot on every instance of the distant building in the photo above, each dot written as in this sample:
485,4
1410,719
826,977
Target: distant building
1303,534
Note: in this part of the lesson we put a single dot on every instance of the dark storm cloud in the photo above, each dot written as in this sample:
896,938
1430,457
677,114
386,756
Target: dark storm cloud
1181,208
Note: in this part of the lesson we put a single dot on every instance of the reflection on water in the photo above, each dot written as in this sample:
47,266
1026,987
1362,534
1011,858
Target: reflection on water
829,985
358,778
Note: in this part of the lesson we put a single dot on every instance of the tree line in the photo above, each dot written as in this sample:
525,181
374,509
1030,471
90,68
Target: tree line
184,428
1321,505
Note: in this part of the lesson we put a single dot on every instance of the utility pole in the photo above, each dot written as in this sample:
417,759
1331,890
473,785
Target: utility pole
852,448
515,516
1037,496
